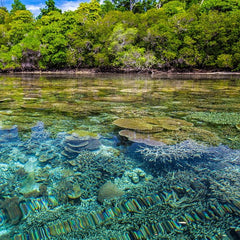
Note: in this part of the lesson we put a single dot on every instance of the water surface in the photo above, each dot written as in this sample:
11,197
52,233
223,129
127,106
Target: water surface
119,157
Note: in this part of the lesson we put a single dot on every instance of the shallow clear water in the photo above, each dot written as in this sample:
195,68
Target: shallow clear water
119,157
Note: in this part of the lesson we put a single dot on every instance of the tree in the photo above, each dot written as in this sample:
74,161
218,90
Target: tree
127,5
220,5
89,11
143,6
4,9
22,23
173,7
53,41
107,6
3,15
50,6
31,55
17,5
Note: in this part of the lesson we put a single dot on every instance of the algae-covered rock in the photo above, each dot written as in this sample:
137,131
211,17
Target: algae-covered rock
109,191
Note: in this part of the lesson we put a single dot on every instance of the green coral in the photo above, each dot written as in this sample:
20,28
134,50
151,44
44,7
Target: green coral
224,118
83,133
151,130
152,124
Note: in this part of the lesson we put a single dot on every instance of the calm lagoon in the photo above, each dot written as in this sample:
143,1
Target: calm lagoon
119,157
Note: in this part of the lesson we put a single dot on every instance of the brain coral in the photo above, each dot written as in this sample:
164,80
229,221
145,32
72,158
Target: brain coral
109,191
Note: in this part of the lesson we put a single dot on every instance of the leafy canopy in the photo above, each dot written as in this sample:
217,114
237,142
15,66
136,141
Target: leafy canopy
17,5
50,6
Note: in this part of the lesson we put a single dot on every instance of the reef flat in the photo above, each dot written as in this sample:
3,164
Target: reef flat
78,185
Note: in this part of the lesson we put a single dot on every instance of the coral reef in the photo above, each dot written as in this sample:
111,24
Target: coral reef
39,133
134,178
185,154
108,191
8,134
154,131
167,154
117,191
177,225
74,144
135,175
224,118
134,124
10,206
150,125
141,138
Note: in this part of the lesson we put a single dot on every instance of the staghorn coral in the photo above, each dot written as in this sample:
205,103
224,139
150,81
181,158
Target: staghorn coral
166,154
225,185
186,152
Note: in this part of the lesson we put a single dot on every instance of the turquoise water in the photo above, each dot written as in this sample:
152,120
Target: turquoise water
119,157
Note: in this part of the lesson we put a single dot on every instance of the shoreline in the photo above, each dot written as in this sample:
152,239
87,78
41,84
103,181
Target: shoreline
150,72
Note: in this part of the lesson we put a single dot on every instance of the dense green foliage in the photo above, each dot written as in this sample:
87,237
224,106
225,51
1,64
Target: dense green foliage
17,5
190,34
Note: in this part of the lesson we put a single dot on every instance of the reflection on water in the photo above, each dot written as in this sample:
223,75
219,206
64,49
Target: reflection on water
119,157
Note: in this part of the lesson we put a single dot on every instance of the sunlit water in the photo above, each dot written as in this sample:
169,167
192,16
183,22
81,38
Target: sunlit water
119,157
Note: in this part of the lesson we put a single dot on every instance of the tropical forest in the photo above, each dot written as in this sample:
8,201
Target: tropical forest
139,35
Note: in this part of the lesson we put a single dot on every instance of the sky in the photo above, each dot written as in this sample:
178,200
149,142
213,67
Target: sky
35,5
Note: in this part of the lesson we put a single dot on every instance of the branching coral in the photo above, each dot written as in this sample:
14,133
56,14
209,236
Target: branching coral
172,153
217,117
187,151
